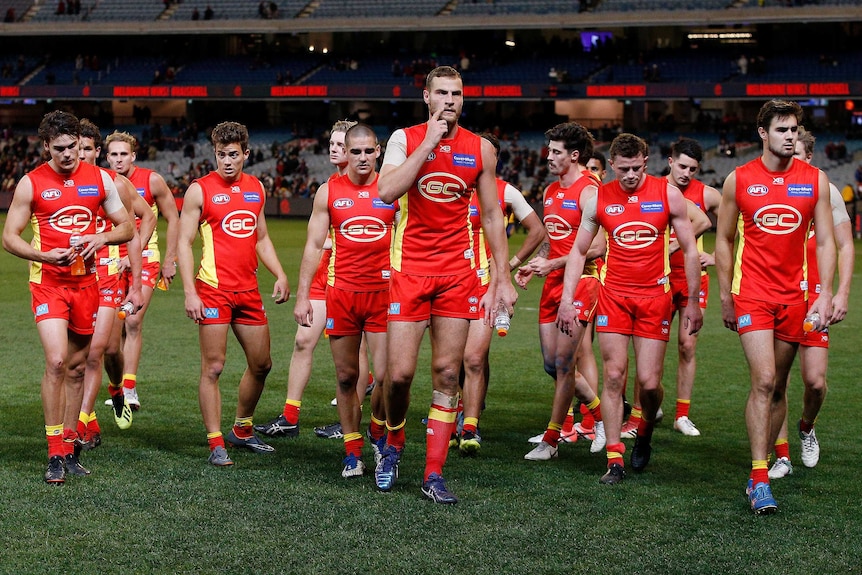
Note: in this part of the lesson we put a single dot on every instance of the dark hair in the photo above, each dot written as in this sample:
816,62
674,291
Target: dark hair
358,130
230,133
777,109
58,123
628,146
689,147
91,130
600,158
574,137
495,141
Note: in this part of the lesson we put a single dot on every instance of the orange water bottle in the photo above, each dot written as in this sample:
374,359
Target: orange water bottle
78,267
811,323
125,309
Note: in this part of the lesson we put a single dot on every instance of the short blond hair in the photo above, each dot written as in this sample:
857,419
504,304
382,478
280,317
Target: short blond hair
121,137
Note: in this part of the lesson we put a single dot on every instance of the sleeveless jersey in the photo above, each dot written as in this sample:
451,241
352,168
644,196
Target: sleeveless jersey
562,217
694,194
637,226
433,237
361,227
775,214
108,256
63,205
140,177
481,249
228,228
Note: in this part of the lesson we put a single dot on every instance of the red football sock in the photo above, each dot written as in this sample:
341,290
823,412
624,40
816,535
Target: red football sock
682,407
441,425
615,454
129,380
587,421
782,449
291,411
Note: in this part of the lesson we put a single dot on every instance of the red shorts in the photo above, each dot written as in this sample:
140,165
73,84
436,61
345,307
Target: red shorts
816,339
642,316
111,290
242,307
77,305
784,320
483,289
679,289
150,274
417,298
586,298
351,313
318,282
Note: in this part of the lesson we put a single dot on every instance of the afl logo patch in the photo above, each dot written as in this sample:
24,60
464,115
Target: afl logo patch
342,203
614,209
221,199
51,194
757,190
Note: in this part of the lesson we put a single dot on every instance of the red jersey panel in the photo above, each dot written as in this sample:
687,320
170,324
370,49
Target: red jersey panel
561,215
694,194
140,177
481,249
361,227
776,210
63,205
637,226
228,227
433,237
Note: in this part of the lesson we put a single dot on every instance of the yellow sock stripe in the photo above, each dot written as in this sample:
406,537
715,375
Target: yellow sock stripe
758,464
293,402
474,421
242,422
84,417
555,426
594,403
614,455
636,412
376,421
780,441
684,401
571,411
395,427
348,437
54,429
92,416
440,415
130,376
213,435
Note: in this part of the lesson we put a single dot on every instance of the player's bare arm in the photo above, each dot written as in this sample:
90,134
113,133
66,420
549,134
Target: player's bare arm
317,234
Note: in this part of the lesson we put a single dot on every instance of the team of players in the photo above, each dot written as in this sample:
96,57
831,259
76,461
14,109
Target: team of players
391,277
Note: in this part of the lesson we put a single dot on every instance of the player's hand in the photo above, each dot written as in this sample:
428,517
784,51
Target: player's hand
839,308
92,243
437,128
566,317
136,298
540,266
195,308
693,316
823,306
281,291
728,314
169,271
523,276
706,260
59,256
303,312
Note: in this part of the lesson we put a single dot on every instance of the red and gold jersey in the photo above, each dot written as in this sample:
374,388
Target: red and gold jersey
140,178
63,205
361,228
481,249
228,228
637,225
433,237
775,214
693,193
562,218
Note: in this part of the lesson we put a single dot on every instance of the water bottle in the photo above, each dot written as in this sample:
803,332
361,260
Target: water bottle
78,267
811,323
502,321
126,309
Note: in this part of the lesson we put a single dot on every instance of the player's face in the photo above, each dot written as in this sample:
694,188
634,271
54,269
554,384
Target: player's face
629,171
595,167
446,95
337,154
64,153
781,137
682,170
229,160
121,157
362,153
560,160
87,151
800,153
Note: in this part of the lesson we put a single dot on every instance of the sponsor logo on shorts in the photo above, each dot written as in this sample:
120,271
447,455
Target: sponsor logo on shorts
88,191
652,207
330,323
474,308
51,194
41,309
240,224
570,205
744,320
221,198
473,299
251,197
342,203
800,190
615,209
464,160
379,204
211,312
778,219
602,320
468,254
757,190
394,309
441,187
578,303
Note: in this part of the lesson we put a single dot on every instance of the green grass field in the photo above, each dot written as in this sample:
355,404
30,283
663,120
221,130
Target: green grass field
153,505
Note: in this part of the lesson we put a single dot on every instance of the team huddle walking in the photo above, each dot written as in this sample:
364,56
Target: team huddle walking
421,246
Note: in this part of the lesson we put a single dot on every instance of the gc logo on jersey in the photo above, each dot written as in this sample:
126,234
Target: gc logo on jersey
777,219
557,227
240,224
441,187
635,235
71,219
363,229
